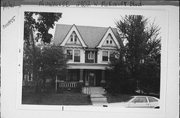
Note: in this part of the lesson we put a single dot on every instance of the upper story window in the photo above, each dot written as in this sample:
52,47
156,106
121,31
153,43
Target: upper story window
105,56
112,55
70,54
73,55
76,55
91,55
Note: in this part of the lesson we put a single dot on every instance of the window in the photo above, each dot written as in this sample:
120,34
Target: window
91,55
73,37
112,56
107,41
110,41
69,54
30,77
140,100
76,55
105,56
151,99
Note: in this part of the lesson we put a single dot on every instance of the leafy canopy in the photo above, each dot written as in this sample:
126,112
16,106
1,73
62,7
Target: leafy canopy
40,22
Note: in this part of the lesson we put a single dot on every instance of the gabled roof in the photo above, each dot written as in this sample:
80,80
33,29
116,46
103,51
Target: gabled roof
91,35
109,31
73,29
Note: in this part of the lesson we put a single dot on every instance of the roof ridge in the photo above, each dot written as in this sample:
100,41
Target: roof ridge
87,26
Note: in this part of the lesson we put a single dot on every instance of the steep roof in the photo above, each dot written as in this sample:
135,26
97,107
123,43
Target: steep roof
91,35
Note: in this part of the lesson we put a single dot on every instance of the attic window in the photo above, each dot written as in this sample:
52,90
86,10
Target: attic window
75,39
110,41
71,38
107,41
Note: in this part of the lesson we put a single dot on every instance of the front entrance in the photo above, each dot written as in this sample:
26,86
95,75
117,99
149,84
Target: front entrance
90,78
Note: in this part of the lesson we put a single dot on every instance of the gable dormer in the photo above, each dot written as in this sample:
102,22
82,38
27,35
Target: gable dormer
73,38
109,40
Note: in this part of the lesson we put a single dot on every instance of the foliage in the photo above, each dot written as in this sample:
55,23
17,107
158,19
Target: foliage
140,56
41,59
40,22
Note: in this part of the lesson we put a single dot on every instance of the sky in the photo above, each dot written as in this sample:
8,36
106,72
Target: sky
105,17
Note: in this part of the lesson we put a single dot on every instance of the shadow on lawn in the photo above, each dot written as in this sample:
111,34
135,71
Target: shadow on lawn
52,98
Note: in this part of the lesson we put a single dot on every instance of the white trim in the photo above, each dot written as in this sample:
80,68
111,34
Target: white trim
109,31
69,34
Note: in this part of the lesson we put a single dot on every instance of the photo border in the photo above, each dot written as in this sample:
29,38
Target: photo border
164,66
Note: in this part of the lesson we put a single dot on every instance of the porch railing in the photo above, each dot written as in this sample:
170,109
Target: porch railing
67,84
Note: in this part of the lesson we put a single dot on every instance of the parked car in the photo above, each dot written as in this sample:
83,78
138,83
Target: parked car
139,102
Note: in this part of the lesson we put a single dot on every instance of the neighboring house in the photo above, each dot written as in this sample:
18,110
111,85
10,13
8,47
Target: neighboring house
89,51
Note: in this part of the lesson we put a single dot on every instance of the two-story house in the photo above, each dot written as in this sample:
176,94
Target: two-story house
89,50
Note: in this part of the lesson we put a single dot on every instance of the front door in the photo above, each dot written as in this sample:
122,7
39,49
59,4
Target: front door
90,79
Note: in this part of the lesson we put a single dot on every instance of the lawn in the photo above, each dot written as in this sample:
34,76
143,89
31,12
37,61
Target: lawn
65,98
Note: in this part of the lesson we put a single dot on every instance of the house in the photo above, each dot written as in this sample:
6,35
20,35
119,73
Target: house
89,51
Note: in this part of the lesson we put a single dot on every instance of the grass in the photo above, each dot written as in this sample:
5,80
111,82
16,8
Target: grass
118,98
65,98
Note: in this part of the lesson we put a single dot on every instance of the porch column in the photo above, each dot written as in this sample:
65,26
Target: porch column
103,77
81,76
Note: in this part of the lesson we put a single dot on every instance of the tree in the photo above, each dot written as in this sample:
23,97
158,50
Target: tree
36,27
141,50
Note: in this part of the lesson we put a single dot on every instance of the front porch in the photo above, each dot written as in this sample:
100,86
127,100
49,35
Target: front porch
84,77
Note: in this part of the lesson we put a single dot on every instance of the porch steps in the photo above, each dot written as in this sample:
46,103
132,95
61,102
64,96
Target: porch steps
96,95
93,90
98,99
